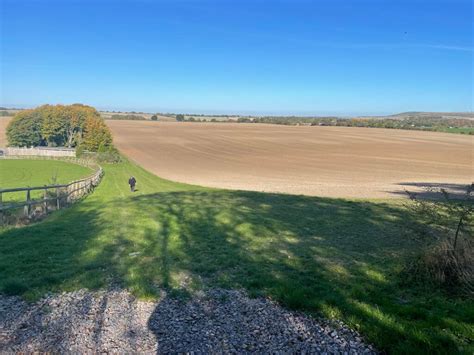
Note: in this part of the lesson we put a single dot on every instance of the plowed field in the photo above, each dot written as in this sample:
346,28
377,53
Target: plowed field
323,161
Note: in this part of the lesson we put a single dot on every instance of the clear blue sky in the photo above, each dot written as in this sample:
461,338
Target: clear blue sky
281,57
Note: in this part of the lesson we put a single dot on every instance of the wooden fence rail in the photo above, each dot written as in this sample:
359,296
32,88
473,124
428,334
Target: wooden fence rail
53,197
37,151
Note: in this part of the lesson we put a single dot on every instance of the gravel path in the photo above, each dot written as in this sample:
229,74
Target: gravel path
213,322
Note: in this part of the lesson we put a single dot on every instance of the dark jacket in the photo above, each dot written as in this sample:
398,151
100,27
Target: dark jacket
132,181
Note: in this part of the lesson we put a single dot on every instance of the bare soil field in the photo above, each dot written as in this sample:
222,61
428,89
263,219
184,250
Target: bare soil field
3,127
319,161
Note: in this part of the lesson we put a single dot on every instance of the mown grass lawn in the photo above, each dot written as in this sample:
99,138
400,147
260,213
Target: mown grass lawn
331,257
25,173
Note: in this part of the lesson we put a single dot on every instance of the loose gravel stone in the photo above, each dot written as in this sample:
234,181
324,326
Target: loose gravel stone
215,321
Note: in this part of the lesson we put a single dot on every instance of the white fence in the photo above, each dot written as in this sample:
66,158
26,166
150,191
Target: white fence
38,151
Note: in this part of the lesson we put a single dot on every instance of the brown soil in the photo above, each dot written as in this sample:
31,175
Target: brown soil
324,161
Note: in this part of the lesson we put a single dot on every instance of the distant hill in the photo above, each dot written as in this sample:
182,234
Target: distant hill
431,115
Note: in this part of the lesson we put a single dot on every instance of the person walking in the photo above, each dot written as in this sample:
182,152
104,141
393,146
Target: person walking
132,182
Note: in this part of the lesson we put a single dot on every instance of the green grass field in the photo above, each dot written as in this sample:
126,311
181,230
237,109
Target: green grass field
463,130
25,173
332,257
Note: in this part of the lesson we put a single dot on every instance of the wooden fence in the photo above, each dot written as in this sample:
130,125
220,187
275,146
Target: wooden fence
38,151
54,197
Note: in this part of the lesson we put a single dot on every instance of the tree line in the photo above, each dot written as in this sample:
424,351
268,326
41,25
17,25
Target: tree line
126,117
69,126
431,123
411,122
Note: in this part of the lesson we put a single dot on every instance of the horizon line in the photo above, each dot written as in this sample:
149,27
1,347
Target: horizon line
213,112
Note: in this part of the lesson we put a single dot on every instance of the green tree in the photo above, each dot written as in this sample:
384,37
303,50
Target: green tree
78,114
180,117
154,118
24,130
54,124
59,126
96,134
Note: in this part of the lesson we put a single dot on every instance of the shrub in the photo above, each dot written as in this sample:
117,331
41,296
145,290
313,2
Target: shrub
154,118
447,226
441,265
108,154
180,118
80,151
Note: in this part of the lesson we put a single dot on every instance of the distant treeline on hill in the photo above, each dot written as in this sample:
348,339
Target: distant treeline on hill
429,123
198,115
11,108
126,117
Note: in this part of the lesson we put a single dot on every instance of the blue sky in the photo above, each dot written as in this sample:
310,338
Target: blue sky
269,57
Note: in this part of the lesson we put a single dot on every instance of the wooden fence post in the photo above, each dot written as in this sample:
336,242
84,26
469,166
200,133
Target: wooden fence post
68,198
1,209
45,201
70,192
57,198
27,209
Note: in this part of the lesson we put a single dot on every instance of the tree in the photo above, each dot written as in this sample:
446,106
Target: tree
154,118
59,125
24,130
180,118
77,118
96,134
54,124
126,117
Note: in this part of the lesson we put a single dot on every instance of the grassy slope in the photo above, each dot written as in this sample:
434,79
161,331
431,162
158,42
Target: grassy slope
457,130
335,257
23,173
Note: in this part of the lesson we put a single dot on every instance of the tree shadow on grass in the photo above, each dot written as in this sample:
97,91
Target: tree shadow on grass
325,256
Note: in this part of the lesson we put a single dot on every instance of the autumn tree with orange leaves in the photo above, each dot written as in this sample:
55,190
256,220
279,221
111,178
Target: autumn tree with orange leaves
60,126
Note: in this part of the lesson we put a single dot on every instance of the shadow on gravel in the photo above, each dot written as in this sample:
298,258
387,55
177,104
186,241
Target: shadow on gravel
325,256
221,321
76,322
